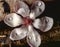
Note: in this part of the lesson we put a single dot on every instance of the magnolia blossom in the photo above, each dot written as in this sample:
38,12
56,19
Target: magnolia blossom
28,21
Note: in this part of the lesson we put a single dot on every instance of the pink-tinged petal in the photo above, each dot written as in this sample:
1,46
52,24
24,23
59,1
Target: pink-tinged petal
33,38
22,8
18,33
13,20
44,24
38,7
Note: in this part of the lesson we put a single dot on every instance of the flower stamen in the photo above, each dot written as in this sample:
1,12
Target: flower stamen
27,21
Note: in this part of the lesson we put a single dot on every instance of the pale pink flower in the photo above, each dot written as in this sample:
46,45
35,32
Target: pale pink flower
27,18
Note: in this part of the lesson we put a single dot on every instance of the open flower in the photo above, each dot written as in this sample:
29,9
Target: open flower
27,18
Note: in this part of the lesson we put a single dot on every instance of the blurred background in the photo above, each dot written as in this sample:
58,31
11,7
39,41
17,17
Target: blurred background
49,39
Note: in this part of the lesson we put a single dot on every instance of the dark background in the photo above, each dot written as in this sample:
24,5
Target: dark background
53,10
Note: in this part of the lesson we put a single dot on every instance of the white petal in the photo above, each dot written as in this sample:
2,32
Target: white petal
18,33
13,20
38,7
33,38
37,23
32,15
49,23
22,8
44,24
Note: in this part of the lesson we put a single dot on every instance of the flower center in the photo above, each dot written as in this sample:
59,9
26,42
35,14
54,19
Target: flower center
27,21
